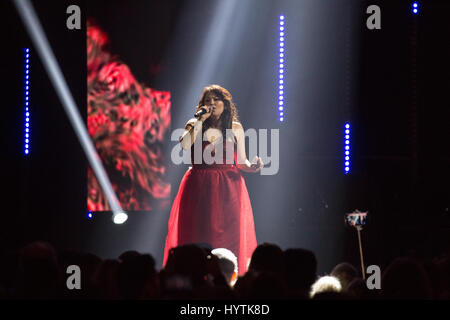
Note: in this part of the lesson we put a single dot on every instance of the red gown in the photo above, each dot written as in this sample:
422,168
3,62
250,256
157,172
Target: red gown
212,206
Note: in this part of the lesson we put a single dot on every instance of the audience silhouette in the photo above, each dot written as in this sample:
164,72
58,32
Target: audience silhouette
199,272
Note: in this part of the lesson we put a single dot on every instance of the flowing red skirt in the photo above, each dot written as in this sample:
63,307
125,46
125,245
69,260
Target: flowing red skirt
212,206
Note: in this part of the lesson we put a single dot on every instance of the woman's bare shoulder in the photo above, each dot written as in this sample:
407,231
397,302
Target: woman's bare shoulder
237,125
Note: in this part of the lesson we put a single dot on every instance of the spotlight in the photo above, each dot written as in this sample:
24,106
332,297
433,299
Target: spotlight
120,217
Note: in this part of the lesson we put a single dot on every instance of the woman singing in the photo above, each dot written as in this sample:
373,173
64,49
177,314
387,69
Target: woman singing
212,205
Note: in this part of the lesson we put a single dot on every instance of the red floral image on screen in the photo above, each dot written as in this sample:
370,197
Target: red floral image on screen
127,122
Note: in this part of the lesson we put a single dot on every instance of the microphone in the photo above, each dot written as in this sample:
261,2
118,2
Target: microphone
199,113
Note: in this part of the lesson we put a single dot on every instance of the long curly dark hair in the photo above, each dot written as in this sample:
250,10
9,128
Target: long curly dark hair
229,113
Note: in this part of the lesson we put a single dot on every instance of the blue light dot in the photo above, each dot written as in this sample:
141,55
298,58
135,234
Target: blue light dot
27,66
26,93
27,55
281,17
27,135
347,168
347,136
281,23
281,97
26,151
281,65
415,5
27,114
26,140
27,77
281,28
281,44
347,158
281,50
281,103
281,81
281,76
415,10
26,98
281,34
347,153
347,142
281,60
347,163
27,125
281,70
27,119
282,39
27,130
281,119
347,126
281,55
281,113
347,147
27,61
281,87
26,146
280,108
281,92
26,82
347,131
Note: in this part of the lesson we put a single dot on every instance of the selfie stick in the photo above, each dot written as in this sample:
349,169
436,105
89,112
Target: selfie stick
359,228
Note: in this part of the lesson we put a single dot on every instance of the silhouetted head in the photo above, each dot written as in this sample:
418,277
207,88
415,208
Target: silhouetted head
405,278
187,260
267,257
326,284
39,273
228,264
345,272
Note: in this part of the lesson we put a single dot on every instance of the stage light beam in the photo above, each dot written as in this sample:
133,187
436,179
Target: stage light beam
37,35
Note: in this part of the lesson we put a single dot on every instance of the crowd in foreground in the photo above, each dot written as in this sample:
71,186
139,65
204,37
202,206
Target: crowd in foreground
196,271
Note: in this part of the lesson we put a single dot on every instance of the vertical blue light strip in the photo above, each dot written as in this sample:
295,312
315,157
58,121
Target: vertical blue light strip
415,8
27,129
281,64
347,153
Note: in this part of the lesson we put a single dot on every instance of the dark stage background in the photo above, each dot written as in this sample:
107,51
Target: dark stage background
392,84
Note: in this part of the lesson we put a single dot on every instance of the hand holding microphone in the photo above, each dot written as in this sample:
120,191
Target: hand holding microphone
203,113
